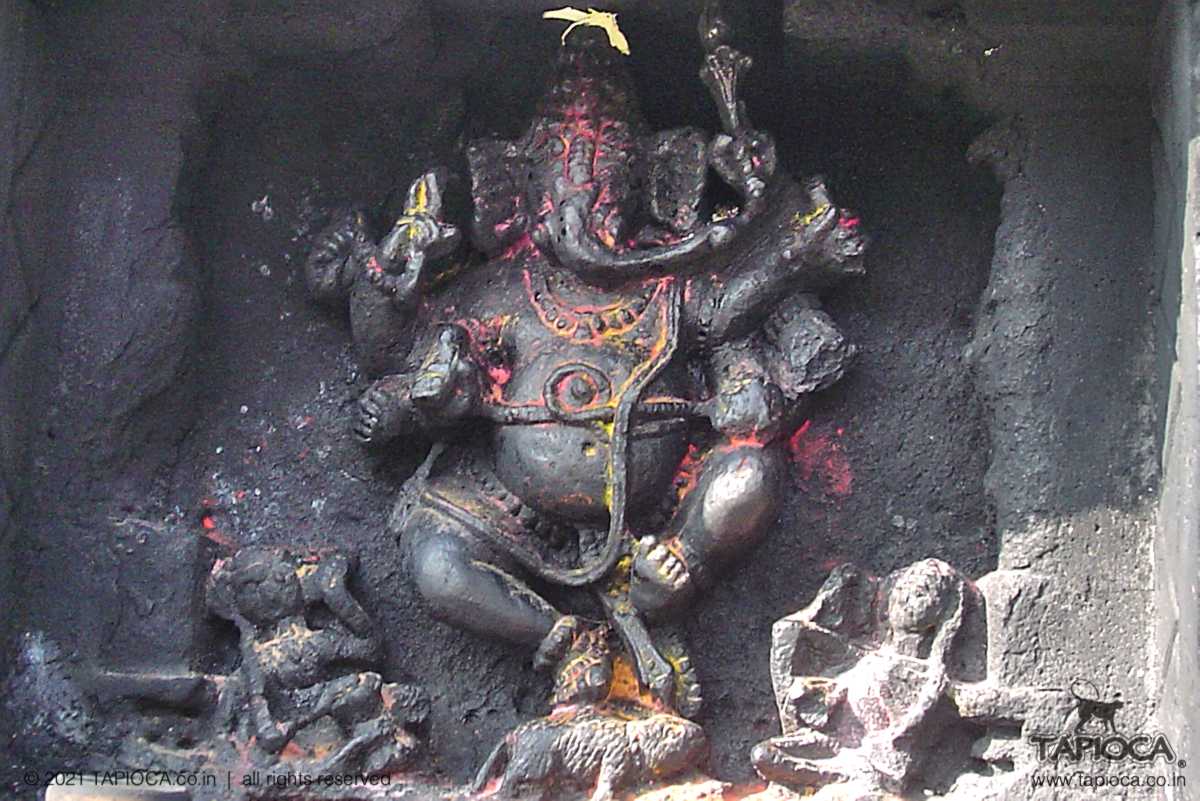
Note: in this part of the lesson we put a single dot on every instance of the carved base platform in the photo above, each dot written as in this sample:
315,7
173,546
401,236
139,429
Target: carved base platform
841,792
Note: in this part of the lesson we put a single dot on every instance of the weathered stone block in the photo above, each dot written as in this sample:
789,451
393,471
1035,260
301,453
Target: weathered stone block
1016,606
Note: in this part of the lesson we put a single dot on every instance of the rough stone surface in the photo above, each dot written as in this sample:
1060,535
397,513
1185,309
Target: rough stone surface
1072,475
1065,354
23,107
698,790
91,214
1177,228
20,101
1003,411
1015,613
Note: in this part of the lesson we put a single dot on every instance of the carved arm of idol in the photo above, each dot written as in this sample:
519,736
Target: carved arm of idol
382,280
800,245
444,389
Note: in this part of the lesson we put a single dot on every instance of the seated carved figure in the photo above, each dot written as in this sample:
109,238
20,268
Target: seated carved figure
309,687
862,678
608,370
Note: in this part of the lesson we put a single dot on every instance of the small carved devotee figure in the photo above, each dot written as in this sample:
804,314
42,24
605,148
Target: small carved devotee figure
309,689
861,688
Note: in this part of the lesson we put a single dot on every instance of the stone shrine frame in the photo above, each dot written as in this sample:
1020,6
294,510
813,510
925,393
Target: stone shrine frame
1009,390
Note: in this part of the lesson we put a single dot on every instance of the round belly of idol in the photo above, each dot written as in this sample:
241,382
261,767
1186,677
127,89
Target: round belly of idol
562,469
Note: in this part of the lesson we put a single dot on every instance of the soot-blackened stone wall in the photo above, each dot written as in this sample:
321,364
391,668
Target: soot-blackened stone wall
105,388
25,101
187,396
1177,234
19,96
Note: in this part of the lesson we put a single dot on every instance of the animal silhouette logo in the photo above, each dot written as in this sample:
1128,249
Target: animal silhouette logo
1094,736
1090,707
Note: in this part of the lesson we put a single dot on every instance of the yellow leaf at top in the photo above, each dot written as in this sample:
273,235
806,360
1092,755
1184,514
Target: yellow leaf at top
569,14
605,20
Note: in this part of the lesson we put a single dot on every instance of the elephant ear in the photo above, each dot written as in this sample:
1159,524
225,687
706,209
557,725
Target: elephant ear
498,194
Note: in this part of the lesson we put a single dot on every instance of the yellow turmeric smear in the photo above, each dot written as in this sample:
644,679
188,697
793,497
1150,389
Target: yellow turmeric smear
801,220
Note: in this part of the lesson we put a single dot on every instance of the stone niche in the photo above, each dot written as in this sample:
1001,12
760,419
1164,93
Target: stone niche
1023,406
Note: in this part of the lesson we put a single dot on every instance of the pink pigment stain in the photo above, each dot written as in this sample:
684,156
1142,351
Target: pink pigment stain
821,462
522,247
210,531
